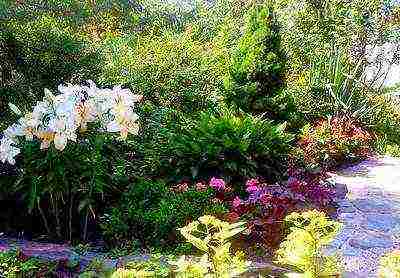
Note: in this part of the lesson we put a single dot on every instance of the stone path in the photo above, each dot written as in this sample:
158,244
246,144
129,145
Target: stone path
56,253
370,214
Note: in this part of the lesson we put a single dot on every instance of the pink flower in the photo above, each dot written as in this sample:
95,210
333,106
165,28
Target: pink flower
252,189
182,187
217,184
236,202
252,182
201,186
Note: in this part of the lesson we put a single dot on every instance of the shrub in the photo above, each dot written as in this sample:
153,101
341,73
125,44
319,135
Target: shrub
212,237
150,212
389,265
171,70
266,206
309,232
224,145
330,143
14,264
256,73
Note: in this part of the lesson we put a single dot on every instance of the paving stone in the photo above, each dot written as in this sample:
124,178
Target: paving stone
373,205
350,251
371,241
380,222
351,219
345,206
343,236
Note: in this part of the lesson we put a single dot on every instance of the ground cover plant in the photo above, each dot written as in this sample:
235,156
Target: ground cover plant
233,109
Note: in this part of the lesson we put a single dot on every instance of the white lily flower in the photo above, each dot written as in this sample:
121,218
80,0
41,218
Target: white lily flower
14,131
57,118
60,141
8,152
92,90
125,96
85,113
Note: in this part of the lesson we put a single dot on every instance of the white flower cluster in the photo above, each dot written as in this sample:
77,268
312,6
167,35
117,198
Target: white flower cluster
58,118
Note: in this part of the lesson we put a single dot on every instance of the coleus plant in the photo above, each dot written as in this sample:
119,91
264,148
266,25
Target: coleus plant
266,206
58,118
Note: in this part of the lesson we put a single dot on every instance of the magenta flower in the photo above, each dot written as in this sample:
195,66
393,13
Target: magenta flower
252,189
236,202
252,182
217,184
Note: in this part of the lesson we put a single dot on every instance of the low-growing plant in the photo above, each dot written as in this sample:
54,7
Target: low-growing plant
231,146
150,211
96,268
155,266
212,237
266,206
330,143
309,232
389,266
14,264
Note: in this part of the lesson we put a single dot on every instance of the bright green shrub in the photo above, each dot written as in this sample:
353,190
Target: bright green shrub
256,74
152,267
150,212
224,145
212,237
326,44
47,50
309,232
170,70
389,266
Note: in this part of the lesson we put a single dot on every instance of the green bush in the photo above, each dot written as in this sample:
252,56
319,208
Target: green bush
13,265
330,143
225,145
309,232
257,70
67,188
171,70
150,212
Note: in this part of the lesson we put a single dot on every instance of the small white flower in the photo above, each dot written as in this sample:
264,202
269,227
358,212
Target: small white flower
8,152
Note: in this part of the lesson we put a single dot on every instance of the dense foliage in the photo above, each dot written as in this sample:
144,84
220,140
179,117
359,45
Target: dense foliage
149,211
330,143
233,146
246,105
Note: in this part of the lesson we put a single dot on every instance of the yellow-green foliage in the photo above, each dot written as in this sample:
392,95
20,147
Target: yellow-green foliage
310,231
211,236
129,273
390,265
152,267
